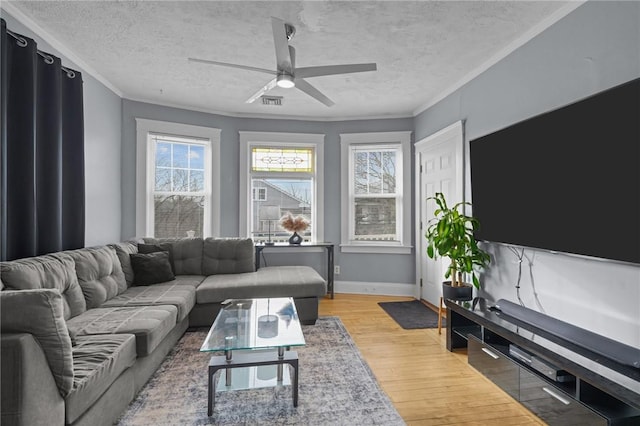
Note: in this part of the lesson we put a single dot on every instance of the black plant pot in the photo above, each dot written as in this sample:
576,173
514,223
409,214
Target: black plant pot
465,292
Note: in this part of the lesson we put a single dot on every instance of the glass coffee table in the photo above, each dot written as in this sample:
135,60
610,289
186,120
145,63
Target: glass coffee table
256,327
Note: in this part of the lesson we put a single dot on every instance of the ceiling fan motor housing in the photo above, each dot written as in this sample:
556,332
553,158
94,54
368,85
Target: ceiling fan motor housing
285,80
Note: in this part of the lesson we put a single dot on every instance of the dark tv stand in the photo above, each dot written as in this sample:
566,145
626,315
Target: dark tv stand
562,385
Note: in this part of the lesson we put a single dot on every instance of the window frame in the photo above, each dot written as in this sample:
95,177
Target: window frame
145,172
401,142
249,140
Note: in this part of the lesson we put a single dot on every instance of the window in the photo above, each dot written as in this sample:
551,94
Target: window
284,172
178,191
259,194
376,197
179,194
375,211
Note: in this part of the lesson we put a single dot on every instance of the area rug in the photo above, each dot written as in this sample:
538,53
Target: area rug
336,388
412,314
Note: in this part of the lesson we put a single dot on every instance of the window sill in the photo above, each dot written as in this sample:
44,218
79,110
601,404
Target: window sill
375,248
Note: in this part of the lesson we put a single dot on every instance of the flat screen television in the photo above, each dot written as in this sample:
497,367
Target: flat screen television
567,180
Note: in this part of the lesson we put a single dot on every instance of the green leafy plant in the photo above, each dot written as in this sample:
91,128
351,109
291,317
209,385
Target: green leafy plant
450,234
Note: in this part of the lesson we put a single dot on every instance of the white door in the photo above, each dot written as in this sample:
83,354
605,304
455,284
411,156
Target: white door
439,168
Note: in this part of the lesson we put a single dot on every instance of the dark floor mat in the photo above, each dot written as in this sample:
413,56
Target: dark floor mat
412,314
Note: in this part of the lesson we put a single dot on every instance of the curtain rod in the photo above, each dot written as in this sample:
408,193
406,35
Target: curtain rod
48,58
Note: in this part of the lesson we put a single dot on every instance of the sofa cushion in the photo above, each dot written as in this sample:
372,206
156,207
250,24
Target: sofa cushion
150,324
151,268
187,253
99,273
40,313
274,281
228,256
188,280
123,250
46,272
182,297
97,363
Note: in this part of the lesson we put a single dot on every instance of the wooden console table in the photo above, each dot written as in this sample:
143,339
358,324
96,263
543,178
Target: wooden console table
328,246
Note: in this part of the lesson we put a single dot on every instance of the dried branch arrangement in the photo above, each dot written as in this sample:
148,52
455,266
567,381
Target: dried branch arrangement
294,223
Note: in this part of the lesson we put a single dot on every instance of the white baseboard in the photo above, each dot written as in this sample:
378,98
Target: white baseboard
382,289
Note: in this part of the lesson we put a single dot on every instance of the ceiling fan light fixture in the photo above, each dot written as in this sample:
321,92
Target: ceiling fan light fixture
285,81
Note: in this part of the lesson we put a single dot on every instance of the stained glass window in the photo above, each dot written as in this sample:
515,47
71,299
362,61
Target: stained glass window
282,160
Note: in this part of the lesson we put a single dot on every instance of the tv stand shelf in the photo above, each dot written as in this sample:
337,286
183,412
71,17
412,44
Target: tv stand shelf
465,331
558,382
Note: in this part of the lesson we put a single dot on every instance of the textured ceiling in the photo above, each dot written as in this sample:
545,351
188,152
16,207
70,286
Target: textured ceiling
422,48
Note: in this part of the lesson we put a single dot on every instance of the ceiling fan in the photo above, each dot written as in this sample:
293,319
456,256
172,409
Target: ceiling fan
286,74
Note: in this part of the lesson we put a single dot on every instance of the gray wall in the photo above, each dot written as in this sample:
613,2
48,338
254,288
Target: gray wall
354,267
102,115
592,49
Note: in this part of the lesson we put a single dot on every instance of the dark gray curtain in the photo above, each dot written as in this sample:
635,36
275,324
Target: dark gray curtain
42,153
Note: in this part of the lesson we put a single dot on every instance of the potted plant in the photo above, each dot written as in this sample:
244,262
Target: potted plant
450,234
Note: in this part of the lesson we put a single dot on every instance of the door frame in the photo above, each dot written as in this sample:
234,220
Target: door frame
426,144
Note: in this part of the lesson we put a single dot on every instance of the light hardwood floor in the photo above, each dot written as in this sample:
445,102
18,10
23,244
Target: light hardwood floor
427,384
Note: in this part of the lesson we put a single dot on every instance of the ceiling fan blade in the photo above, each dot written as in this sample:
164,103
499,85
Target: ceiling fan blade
225,64
313,92
281,42
333,69
270,85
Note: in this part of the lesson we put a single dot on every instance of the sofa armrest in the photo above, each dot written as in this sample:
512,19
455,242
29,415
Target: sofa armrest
28,392
40,313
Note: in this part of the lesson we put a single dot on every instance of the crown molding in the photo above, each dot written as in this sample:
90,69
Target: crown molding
503,53
266,116
63,50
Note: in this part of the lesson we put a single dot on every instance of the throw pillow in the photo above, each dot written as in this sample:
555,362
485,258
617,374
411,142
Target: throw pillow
151,268
154,248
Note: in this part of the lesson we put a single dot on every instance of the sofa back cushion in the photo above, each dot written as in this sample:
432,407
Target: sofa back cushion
186,253
46,272
40,313
228,256
99,273
123,250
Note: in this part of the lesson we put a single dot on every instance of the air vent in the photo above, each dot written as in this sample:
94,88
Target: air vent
272,100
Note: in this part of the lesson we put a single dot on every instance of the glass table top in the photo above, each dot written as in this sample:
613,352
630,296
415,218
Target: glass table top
255,324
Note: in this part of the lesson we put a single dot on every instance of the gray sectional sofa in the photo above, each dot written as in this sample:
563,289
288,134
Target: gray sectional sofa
79,338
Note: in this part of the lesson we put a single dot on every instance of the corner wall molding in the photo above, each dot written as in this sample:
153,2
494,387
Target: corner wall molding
60,47
503,53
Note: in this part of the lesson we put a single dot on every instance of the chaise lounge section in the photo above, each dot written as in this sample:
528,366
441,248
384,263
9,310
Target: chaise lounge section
80,338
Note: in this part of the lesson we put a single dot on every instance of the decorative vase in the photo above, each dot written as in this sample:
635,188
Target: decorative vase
267,326
295,239
462,293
